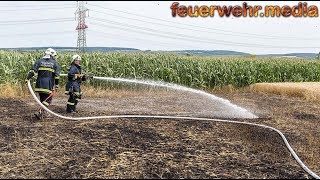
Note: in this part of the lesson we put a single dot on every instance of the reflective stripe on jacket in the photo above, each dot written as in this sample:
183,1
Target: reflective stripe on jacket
73,81
48,74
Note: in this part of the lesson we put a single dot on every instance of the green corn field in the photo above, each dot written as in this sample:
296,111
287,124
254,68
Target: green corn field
203,72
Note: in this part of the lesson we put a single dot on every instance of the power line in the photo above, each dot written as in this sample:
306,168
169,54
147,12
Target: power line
153,31
186,37
36,5
125,38
207,31
157,35
141,32
202,27
41,22
35,20
36,9
36,34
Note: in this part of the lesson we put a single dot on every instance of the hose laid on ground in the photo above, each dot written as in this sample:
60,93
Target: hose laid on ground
314,175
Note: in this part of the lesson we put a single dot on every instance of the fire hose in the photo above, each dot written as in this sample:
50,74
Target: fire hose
303,166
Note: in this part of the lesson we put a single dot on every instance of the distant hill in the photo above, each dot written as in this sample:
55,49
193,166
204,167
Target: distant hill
188,52
209,52
108,49
293,55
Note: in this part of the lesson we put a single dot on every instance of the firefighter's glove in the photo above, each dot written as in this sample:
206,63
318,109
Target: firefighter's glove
30,75
78,76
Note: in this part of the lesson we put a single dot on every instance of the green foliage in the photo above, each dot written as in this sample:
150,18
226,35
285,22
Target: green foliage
198,72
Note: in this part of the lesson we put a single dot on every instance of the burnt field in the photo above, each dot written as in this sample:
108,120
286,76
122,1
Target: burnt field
158,148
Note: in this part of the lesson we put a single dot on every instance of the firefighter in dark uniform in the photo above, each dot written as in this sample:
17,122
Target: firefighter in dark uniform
48,73
75,77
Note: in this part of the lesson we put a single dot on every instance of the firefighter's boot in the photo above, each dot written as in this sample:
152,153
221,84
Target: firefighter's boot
74,109
69,108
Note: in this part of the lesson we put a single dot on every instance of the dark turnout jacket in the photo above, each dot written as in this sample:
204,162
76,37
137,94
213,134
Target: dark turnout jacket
48,74
74,82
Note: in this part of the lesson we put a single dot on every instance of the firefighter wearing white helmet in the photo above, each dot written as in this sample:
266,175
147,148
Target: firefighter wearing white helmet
75,77
75,57
50,53
47,81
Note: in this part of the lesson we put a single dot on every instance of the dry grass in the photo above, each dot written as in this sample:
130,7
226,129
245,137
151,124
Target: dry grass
14,91
10,90
228,88
308,90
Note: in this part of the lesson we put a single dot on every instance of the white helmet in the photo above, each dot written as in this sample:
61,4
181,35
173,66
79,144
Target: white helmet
50,52
76,57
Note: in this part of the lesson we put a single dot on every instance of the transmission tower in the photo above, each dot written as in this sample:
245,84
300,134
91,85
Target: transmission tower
81,14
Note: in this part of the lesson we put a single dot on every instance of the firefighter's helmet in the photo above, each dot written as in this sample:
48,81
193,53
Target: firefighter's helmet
76,57
50,52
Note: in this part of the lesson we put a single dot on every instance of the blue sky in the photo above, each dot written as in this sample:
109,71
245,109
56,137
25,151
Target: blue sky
150,25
